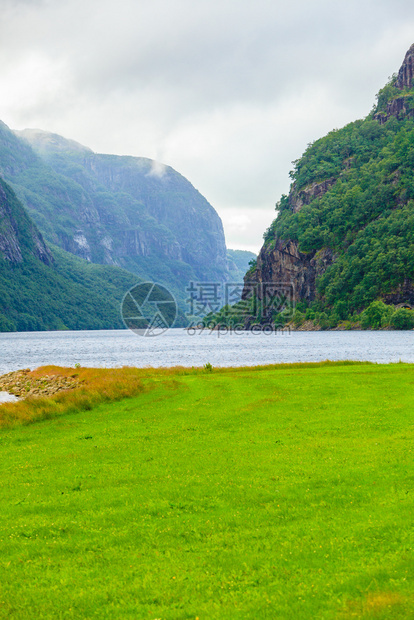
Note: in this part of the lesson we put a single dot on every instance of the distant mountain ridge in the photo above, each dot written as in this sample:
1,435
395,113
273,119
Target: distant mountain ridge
125,210
238,263
129,212
79,227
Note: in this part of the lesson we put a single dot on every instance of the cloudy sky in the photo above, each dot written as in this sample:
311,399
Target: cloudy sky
227,92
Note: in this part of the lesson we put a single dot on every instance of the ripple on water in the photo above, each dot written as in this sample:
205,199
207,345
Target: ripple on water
178,348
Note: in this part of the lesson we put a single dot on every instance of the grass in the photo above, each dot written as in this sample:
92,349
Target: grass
252,493
96,385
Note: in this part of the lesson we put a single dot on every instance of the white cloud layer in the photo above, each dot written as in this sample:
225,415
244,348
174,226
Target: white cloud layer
228,92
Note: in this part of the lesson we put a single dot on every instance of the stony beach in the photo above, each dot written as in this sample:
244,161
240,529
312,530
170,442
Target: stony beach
26,383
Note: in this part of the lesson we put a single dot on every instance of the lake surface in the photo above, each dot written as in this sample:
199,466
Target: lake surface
177,348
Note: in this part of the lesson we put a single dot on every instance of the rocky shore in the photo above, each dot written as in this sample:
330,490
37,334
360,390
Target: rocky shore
25,383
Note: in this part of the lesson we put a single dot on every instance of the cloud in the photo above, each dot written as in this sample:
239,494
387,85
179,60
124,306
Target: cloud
228,92
246,226
157,170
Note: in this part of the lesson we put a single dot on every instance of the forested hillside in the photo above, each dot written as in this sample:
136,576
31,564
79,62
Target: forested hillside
344,236
47,288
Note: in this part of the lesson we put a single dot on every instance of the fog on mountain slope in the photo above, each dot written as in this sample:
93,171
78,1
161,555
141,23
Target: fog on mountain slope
126,211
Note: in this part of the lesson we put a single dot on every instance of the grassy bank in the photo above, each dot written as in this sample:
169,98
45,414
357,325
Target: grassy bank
278,492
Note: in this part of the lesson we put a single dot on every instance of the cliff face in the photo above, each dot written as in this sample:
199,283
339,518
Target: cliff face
18,235
285,264
126,211
181,224
282,261
401,105
345,231
304,196
405,77
40,290
400,108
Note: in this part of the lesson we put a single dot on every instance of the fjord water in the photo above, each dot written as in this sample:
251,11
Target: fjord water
177,347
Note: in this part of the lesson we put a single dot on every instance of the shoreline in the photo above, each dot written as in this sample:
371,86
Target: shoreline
20,384
7,397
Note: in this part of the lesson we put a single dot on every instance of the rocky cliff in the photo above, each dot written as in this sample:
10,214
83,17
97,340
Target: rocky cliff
405,78
18,235
284,263
281,261
398,99
344,236
128,211
49,289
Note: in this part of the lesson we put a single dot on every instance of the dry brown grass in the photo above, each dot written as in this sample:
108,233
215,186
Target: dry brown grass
96,385
99,385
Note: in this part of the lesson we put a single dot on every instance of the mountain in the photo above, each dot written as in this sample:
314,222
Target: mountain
344,236
126,211
47,288
238,262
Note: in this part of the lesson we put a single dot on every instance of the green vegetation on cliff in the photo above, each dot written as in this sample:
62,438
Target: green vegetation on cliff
347,226
367,216
47,289
69,294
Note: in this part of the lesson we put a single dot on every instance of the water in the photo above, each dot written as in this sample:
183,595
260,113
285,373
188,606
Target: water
5,397
177,348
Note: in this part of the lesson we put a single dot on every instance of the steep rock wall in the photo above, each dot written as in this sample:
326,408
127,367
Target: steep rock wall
18,235
120,210
401,106
282,262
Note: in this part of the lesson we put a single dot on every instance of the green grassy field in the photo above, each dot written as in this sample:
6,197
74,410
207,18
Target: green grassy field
279,492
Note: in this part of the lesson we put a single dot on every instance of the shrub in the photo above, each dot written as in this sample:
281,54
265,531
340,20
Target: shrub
403,318
323,320
310,314
341,310
376,315
298,318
